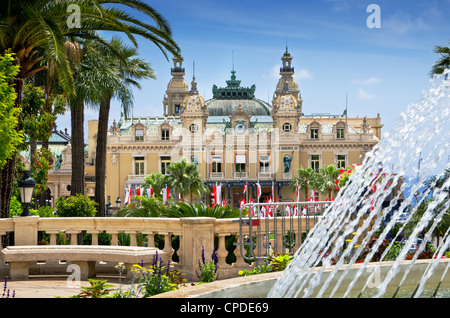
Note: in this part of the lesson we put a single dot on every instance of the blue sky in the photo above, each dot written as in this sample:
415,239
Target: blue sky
382,70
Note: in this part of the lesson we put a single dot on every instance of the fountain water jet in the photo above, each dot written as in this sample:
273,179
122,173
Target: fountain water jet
422,132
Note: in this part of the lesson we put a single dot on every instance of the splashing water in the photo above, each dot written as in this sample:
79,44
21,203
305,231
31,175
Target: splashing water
418,147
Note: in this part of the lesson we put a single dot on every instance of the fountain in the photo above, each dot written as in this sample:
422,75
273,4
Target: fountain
419,147
335,259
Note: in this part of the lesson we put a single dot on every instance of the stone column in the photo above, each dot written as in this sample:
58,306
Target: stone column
197,234
25,230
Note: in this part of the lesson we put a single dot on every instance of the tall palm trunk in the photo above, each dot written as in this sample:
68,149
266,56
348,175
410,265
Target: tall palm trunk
100,156
77,121
7,172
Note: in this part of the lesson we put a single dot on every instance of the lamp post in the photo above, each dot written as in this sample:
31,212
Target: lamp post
107,206
118,203
26,188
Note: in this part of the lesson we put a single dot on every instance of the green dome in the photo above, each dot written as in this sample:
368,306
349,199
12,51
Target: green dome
227,99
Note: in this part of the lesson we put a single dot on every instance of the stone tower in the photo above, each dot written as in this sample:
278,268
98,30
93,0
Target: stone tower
177,89
287,76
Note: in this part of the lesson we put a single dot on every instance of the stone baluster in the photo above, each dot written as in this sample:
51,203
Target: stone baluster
150,239
240,262
114,238
73,237
52,236
168,244
222,252
94,237
133,239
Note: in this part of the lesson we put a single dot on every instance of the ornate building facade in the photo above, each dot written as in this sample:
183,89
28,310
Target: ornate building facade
234,138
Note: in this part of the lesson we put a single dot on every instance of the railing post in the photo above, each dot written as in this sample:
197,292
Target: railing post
196,234
25,230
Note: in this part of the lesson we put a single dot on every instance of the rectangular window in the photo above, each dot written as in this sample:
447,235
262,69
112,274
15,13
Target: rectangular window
340,133
216,163
264,163
139,134
139,166
240,163
165,134
315,162
177,109
341,161
165,161
314,133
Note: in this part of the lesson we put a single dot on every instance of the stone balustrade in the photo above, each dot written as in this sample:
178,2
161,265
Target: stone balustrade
195,235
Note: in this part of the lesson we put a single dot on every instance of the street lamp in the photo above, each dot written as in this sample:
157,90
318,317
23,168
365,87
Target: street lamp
26,188
107,206
118,203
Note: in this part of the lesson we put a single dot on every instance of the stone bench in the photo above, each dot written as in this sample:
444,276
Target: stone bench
85,256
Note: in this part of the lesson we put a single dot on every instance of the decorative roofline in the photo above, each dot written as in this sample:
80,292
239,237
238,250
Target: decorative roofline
233,90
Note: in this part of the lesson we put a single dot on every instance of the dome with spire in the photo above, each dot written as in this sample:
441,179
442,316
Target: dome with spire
286,101
193,102
287,72
226,100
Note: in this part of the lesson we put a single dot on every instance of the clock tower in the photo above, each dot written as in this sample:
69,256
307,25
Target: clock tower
240,121
286,111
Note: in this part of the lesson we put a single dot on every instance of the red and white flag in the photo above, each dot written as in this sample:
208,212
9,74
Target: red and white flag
127,195
245,188
150,192
288,210
224,202
241,204
166,192
273,190
259,191
217,192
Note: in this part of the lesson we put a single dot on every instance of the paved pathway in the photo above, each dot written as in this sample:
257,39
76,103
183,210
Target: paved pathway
54,286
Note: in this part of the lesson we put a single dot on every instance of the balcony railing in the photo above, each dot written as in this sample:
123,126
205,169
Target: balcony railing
216,175
240,175
190,245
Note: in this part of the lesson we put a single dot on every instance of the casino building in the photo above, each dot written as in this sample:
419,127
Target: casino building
234,138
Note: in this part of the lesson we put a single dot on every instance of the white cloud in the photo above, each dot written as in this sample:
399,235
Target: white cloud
363,94
368,81
302,74
402,23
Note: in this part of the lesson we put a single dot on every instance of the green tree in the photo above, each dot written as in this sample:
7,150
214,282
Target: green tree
157,181
9,136
143,207
307,179
29,25
120,75
443,63
75,206
184,178
329,175
188,209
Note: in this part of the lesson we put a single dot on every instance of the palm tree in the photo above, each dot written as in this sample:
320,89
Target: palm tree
199,209
118,74
329,174
443,63
147,207
157,181
185,179
26,25
307,179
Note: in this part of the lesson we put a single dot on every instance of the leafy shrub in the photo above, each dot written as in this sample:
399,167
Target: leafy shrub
208,270
157,279
76,206
98,289
274,264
